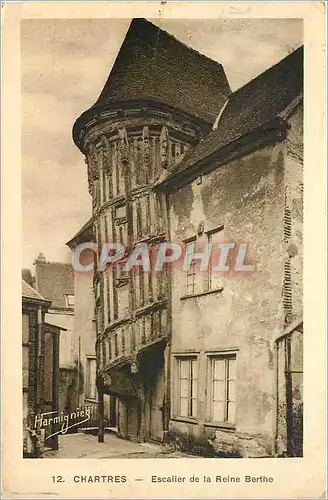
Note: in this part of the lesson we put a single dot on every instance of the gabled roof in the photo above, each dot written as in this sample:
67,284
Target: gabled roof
154,66
30,293
54,280
54,328
251,107
27,276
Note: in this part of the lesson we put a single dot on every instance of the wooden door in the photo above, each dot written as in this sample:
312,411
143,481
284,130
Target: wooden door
156,407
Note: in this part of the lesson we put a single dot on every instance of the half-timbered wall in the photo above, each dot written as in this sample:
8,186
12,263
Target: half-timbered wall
124,161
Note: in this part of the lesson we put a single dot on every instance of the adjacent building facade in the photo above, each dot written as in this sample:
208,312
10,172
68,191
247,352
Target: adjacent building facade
212,361
40,354
243,183
85,333
55,281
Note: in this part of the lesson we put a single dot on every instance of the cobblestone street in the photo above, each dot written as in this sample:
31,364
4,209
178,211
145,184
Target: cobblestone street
86,446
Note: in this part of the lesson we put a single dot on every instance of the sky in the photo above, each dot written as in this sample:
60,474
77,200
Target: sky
65,64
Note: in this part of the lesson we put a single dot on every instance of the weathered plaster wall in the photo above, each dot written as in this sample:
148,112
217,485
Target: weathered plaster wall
247,197
85,328
290,385
84,312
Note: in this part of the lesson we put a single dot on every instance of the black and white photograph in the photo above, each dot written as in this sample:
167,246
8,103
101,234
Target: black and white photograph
162,202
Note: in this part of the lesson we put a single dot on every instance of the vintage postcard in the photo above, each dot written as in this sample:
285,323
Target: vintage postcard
163,280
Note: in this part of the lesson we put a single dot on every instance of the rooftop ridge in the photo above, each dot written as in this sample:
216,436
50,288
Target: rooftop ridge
265,72
175,39
249,108
34,293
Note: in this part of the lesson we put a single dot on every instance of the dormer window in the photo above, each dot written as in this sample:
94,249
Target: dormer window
70,300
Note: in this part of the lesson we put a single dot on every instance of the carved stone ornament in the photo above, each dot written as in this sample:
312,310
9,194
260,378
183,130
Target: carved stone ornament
124,145
201,228
288,318
106,154
164,147
93,172
292,250
86,160
107,380
146,145
134,367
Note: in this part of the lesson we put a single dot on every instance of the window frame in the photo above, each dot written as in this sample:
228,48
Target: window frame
210,233
191,273
88,395
67,299
120,218
122,276
206,286
191,399
226,356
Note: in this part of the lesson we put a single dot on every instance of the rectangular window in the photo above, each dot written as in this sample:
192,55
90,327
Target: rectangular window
191,273
187,387
90,390
122,276
222,388
120,212
25,327
198,280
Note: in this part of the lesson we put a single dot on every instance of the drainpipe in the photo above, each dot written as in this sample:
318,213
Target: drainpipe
78,370
166,398
282,339
276,380
39,353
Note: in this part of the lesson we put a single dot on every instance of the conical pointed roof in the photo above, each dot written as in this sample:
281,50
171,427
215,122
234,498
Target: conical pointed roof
153,66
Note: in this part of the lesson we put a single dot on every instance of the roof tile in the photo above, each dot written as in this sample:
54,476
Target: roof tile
30,293
154,66
54,280
252,106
